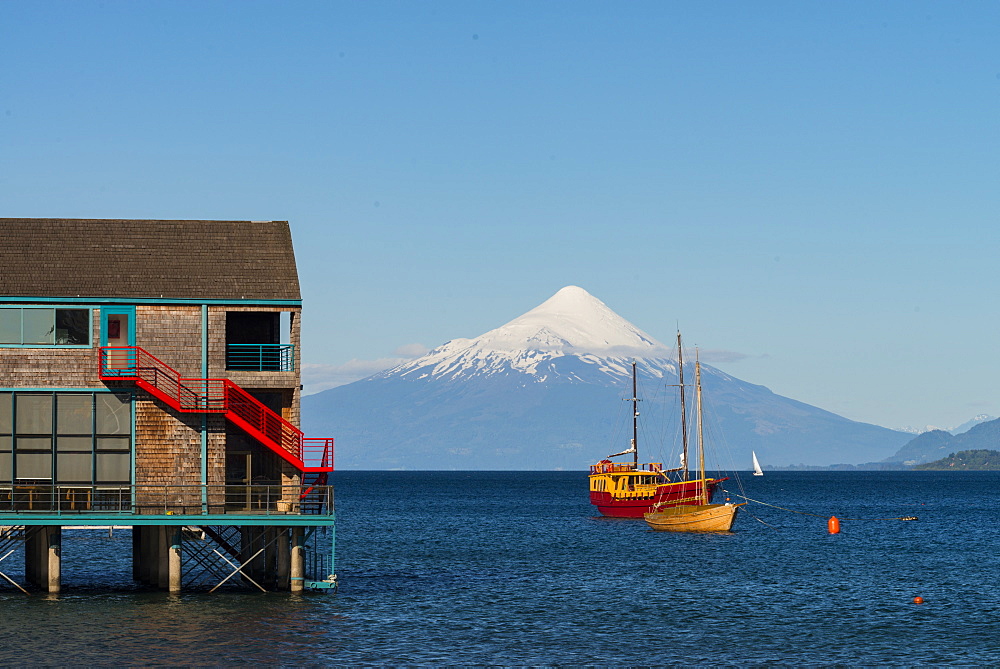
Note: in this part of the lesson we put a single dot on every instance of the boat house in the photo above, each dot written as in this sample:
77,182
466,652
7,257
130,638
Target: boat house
150,378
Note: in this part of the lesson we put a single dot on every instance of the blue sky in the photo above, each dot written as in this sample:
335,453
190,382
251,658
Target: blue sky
809,189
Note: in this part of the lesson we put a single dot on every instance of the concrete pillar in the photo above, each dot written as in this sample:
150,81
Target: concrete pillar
270,555
174,560
298,563
136,553
31,557
283,559
53,557
163,557
146,555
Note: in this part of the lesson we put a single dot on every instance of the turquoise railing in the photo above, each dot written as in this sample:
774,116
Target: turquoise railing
261,357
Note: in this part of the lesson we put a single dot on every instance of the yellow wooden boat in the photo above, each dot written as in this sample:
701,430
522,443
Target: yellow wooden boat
700,518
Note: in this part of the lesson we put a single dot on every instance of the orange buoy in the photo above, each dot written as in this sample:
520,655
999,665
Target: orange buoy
918,600
833,525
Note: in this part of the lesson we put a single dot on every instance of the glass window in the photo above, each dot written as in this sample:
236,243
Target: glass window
6,461
10,326
64,444
112,443
38,326
74,413
114,468
114,413
34,465
66,441
34,443
44,327
73,326
5,424
34,414
74,467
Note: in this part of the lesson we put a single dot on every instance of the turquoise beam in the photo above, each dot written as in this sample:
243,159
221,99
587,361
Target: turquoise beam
204,417
103,520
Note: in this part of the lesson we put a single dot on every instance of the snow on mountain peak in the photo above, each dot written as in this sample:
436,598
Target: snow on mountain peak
571,322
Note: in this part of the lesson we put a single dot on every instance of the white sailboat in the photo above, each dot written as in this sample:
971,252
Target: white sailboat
757,471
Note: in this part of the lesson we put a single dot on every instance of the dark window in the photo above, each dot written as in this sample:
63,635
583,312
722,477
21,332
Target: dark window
252,327
67,438
44,327
73,326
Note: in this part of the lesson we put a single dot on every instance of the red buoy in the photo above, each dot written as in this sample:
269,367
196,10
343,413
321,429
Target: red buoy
833,525
918,600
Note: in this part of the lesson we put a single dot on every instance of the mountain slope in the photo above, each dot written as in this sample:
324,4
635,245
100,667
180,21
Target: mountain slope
937,444
545,391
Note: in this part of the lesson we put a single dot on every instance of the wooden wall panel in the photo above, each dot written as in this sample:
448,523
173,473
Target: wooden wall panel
51,367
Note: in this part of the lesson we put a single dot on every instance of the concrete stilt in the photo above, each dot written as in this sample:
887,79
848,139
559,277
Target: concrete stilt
298,562
53,557
270,555
163,557
146,555
174,559
136,553
32,569
283,558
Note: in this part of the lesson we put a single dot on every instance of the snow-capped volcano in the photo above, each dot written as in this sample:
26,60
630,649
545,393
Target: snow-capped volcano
570,323
543,392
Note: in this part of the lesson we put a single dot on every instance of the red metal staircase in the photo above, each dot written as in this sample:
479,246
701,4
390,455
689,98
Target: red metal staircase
132,363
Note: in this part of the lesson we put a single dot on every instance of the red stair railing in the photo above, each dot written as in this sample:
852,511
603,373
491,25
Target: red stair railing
131,363
317,453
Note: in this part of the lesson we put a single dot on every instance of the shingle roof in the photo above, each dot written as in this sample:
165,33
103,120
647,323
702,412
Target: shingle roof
240,260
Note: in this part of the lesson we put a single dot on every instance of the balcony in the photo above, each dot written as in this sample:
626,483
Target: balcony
22,500
260,357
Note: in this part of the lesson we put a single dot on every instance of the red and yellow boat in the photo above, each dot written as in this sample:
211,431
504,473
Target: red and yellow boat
629,490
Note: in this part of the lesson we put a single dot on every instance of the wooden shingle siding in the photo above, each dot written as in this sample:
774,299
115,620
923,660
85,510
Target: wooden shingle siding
51,367
239,260
168,455
172,333
168,445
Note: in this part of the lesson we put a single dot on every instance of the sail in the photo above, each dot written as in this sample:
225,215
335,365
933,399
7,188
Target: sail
757,471
630,450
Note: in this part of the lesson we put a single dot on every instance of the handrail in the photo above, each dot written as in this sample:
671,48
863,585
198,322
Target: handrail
261,357
627,467
318,450
183,500
262,420
211,396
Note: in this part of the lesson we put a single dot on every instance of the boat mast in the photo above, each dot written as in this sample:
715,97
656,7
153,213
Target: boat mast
684,427
635,420
701,437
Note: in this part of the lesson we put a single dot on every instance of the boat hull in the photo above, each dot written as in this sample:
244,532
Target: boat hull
696,518
636,505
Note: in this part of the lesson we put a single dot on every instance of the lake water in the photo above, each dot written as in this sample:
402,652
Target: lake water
513,568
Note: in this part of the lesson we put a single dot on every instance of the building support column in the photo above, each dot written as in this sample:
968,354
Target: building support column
174,559
283,559
298,563
136,553
163,557
147,562
53,558
32,569
270,558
